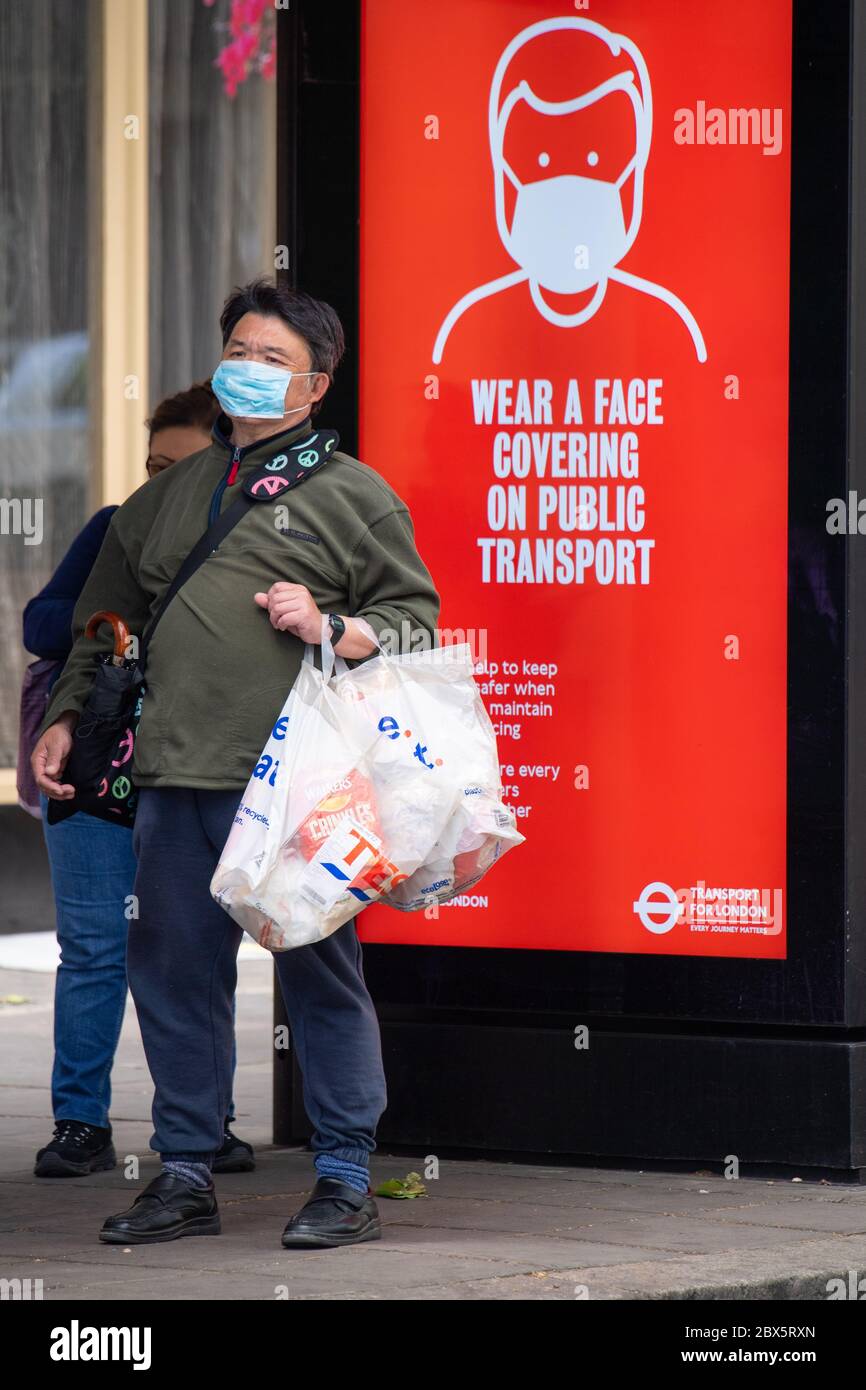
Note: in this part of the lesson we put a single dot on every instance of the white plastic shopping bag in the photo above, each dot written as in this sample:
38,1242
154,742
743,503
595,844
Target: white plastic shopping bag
376,781
439,689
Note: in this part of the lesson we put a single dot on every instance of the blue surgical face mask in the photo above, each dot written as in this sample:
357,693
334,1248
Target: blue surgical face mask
254,390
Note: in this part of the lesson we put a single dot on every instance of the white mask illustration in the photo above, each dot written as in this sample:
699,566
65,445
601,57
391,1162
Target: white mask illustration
568,232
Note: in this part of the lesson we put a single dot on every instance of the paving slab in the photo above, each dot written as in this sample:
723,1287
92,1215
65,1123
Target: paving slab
488,1230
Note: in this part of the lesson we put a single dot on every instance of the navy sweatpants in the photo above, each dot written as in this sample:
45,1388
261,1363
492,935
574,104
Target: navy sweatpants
182,968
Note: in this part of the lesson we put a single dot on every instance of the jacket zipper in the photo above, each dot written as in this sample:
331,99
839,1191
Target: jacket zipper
228,478
230,475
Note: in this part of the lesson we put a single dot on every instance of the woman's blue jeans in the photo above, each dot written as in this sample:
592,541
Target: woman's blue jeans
93,873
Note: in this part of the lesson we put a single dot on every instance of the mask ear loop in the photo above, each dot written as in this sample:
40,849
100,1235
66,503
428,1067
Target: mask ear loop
507,169
626,173
295,408
521,92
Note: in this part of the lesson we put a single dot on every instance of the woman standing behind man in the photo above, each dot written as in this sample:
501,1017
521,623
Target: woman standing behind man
93,866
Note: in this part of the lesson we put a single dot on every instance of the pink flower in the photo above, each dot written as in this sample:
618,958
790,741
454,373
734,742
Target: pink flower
233,66
250,29
246,14
247,45
269,63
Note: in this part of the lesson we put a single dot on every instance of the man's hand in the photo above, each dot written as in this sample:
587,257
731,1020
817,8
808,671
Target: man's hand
50,754
292,608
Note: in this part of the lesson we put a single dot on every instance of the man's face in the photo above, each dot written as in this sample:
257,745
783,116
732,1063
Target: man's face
257,338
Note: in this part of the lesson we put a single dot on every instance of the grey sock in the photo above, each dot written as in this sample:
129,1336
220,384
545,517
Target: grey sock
195,1175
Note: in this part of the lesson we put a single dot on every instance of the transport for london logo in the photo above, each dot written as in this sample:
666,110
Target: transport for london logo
658,908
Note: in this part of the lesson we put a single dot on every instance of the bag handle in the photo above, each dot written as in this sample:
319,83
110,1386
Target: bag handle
118,627
331,663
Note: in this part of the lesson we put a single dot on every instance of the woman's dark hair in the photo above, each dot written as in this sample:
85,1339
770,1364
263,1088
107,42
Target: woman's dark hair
197,407
313,320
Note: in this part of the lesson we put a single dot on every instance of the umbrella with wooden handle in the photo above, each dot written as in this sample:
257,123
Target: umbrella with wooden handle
100,763
121,633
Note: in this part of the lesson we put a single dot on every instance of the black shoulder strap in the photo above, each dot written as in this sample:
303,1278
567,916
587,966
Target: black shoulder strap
282,472
204,546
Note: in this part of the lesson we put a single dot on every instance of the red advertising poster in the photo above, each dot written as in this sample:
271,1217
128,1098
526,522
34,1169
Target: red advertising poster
574,368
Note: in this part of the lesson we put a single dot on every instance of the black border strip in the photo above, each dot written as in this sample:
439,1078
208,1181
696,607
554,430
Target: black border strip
319,211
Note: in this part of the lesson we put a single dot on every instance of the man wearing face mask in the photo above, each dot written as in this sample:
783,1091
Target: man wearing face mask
219,668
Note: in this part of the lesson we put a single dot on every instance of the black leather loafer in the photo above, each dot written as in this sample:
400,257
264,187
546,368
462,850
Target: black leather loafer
334,1214
166,1209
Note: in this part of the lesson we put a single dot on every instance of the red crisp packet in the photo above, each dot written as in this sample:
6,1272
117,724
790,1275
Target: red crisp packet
349,796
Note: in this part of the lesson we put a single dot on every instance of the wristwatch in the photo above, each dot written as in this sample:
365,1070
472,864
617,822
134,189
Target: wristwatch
337,627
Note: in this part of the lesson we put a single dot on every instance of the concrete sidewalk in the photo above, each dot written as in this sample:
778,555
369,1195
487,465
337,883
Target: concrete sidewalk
486,1230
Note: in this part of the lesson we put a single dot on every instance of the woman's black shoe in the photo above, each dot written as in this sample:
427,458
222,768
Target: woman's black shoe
235,1156
166,1209
76,1149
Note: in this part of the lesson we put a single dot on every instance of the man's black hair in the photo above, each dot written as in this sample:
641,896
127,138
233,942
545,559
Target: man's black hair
312,319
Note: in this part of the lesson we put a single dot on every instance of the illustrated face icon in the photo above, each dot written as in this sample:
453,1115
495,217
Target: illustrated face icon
562,221
568,229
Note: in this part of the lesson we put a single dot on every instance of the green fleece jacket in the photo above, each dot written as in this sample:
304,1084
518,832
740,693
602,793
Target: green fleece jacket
217,672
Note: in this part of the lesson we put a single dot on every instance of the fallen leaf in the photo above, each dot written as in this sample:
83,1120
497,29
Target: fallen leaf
410,1186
